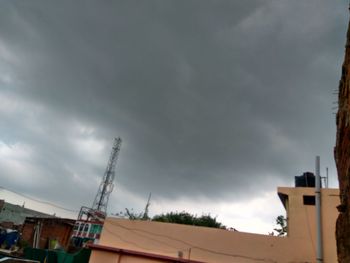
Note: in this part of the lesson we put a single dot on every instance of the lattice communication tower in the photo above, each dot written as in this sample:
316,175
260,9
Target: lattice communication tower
107,184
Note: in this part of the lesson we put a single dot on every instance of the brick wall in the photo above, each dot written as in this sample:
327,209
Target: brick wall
52,228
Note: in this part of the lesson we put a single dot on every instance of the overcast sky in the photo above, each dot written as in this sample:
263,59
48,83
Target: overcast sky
217,102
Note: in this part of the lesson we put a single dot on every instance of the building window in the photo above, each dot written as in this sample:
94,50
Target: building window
93,229
309,200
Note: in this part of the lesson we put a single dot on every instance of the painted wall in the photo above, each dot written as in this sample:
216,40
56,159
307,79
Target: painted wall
301,217
217,245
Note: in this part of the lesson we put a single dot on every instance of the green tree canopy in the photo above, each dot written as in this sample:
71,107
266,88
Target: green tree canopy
188,219
281,223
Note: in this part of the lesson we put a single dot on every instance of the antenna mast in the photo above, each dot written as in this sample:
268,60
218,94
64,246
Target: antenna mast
107,184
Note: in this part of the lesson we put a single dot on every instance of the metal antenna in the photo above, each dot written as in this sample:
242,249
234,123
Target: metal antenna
145,214
107,184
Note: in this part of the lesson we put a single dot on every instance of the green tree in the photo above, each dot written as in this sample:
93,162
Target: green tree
130,214
281,223
188,219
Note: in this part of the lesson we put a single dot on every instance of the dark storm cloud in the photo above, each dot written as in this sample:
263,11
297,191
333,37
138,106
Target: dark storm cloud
211,98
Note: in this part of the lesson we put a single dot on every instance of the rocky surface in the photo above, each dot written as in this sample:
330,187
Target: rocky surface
342,159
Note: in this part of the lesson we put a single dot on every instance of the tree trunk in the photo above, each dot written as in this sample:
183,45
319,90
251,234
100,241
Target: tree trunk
342,158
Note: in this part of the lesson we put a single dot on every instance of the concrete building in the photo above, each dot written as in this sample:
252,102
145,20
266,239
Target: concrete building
144,241
11,214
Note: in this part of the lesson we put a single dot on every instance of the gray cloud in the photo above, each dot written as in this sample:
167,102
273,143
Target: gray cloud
211,98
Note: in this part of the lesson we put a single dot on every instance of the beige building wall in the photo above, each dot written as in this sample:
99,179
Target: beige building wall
105,257
109,257
216,245
301,217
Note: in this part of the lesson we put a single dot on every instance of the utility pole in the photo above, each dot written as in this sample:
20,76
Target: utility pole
319,245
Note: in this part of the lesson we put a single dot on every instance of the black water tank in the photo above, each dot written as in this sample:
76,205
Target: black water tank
305,180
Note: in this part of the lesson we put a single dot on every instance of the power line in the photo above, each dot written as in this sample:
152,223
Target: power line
161,242
193,246
136,245
39,201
